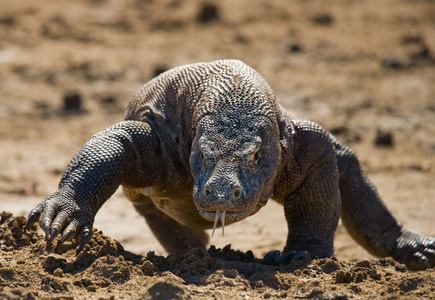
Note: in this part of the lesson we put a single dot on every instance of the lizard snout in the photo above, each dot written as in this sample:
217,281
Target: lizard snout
221,193
223,186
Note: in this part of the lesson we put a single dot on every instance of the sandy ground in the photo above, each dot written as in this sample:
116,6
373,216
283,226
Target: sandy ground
363,70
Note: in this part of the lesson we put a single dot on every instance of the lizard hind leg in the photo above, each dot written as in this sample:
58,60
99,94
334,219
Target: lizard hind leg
172,235
370,222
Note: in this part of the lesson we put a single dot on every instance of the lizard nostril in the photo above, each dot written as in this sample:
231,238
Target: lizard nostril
207,191
237,192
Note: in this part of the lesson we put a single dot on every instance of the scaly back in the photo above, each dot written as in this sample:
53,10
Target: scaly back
186,94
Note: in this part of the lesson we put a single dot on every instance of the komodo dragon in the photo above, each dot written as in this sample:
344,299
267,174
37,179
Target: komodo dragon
208,142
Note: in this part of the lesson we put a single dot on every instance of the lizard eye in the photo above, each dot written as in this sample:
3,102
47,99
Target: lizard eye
257,156
253,148
253,160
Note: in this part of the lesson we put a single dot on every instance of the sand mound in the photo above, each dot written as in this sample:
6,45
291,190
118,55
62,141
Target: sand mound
105,270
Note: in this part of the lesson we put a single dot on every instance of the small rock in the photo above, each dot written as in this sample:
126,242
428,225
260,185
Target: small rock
230,273
411,39
323,19
166,288
344,277
109,100
384,138
394,63
364,264
58,272
422,56
72,102
148,268
208,13
401,268
53,262
92,288
294,48
8,20
339,297
330,266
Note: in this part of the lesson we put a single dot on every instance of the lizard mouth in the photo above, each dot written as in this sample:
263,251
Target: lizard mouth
224,216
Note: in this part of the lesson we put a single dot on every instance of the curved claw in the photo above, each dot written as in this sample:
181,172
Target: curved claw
32,218
57,226
45,225
430,255
54,233
424,259
67,235
85,236
416,251
272,258
417,262
302,256
46,221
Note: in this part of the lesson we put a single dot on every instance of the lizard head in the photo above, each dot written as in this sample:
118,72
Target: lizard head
234,161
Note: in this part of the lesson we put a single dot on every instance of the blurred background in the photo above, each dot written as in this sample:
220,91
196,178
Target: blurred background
365,70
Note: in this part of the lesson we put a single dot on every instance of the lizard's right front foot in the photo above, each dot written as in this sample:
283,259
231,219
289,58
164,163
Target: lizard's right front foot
60,214
277,258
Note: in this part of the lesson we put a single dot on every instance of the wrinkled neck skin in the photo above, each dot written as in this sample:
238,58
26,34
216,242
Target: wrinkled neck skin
234,161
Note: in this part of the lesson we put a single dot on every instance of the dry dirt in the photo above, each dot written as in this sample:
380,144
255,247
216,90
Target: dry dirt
365,70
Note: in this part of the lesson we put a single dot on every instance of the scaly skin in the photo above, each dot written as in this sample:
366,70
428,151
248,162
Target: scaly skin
209,142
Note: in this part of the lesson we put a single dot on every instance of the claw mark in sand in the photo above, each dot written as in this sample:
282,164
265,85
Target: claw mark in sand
216,220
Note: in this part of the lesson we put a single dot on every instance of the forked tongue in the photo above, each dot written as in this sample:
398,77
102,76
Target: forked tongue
220,214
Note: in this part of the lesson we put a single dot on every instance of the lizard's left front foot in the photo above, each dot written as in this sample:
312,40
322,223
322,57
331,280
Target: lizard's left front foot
277,258
415,250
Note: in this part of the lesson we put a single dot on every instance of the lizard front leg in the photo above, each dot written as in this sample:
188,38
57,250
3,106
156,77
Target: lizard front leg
126,152
312,210
308,188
